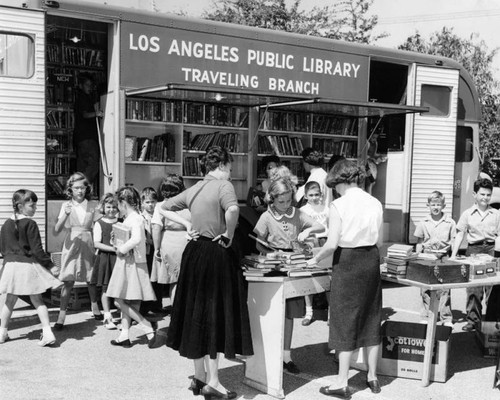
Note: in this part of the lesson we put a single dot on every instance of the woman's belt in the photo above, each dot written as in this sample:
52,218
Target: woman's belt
79,229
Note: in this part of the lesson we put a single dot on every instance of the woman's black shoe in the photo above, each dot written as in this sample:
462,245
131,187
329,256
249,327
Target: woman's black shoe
124,343
58,326
98,317
209,392
196,386
342,393
374,386
291,367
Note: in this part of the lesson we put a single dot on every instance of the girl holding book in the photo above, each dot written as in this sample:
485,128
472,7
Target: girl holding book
284,227
106,254
129,284
26,264
77,258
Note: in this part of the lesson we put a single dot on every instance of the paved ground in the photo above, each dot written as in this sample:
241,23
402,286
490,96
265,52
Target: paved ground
83,365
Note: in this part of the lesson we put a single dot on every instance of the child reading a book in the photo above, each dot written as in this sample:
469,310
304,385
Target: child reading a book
129,283
149,198
284,227
106,255
25,265
435,234
77,258
318,211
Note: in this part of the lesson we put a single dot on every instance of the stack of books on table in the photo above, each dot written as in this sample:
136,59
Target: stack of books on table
279,263
397,258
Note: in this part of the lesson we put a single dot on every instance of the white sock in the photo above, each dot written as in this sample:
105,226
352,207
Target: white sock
3,331
309,311
287,357
107,315
61,317
47,332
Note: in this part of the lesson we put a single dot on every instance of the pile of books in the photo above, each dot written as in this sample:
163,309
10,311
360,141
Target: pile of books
279,263
397,258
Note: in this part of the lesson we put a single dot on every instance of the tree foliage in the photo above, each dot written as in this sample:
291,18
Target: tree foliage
345,20
477,59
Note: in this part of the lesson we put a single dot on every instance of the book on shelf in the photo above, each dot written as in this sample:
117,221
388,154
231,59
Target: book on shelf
160,148
121,233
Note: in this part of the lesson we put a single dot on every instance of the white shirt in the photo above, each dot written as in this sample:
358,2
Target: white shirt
319,175
361,218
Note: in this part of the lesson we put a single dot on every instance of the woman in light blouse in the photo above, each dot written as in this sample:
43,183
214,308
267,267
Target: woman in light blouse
356,292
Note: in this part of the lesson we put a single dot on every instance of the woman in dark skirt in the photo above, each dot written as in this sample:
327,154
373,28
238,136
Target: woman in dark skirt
210,314
356,291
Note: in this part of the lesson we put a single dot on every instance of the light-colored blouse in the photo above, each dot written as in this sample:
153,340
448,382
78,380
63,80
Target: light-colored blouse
361,218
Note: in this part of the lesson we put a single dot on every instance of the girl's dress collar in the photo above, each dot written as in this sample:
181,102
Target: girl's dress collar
289,213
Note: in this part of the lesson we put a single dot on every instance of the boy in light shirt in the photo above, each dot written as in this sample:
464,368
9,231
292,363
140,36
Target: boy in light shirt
436,233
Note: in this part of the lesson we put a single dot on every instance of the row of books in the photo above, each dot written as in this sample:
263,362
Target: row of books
306,122
83,57
186,112
191,166
160,148
57,165
331,146
56,186
60,119
153,110
287,121
232,141
280,145
334,125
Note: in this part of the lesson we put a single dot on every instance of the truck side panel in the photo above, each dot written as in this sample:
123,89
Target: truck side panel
22,119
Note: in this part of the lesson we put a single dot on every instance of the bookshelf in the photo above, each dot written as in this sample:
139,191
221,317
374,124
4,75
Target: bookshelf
286,134
66,63
191,128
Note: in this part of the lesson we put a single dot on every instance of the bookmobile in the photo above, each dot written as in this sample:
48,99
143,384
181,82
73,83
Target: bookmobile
170,86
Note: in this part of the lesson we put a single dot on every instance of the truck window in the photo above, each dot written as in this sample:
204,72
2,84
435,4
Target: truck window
16,55
464,144
437,98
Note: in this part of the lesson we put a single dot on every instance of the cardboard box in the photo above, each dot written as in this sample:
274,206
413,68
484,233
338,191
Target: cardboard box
489,338
402,351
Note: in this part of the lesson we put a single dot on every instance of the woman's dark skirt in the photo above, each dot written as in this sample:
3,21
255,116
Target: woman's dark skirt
355,299
210,313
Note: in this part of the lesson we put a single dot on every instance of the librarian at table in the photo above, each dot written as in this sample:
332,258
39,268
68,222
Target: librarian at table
356,292
85,134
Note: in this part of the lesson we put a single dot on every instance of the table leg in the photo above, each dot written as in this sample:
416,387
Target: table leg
266,308
430,338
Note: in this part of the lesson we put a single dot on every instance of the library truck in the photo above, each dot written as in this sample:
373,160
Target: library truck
171,86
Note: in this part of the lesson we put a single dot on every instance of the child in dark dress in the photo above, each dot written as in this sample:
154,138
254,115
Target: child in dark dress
106,254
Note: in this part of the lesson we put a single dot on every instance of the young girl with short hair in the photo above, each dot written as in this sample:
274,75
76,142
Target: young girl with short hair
106,254
129,283
284,227
77,258
26,265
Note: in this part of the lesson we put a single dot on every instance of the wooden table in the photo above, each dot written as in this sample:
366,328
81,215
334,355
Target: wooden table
433,311
266,307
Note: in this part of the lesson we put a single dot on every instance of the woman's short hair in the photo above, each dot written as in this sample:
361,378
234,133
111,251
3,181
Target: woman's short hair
346,171
170,186
283,172
277,188
77,177
333,160
313,157
214,156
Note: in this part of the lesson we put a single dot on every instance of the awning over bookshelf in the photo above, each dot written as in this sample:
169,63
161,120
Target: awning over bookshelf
244,98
